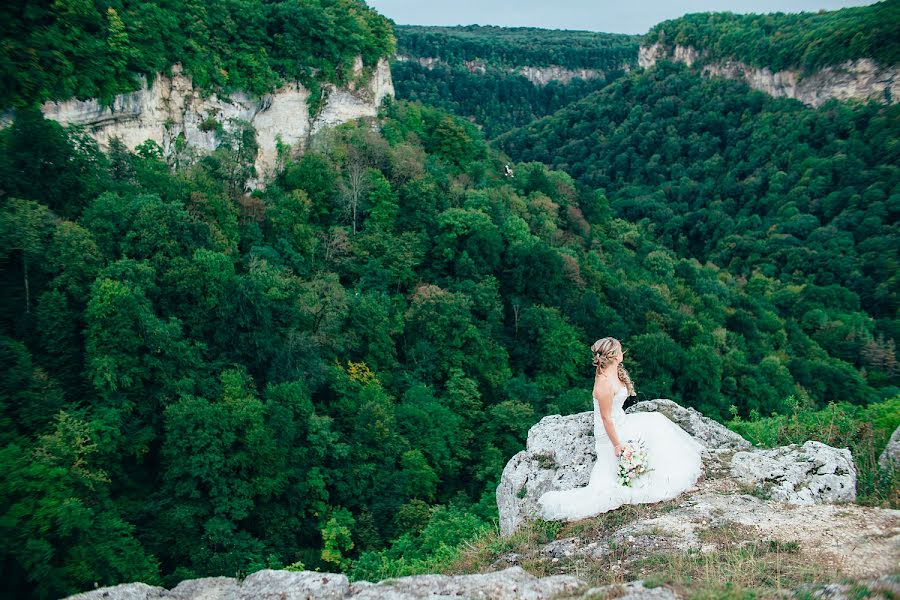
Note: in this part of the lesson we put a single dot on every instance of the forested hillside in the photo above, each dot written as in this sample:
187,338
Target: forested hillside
331,372
807,41
212,382
766,189
490,90
517,46
95,49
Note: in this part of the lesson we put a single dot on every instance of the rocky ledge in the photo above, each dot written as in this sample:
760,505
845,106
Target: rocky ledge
795,498
172,109
860,79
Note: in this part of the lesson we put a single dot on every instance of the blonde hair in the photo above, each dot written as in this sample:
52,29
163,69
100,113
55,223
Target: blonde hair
603,351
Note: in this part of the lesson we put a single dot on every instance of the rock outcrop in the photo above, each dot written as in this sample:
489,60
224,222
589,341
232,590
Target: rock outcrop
711,521
171,108
544,75
890,457
860,79
559,454
513,583
713,434
538,75
809,474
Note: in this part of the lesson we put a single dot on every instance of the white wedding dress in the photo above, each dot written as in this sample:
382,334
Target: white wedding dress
672,453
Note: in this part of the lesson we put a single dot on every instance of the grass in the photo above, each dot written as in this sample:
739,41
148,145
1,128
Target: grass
742,564
484,551
740,567
753,490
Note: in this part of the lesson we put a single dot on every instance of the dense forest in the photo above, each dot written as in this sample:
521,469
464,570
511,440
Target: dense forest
331,372
807,41
761,187
495,95
517,46
96,48
497,100
211,382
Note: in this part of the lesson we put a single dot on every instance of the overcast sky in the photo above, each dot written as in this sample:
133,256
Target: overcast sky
619,16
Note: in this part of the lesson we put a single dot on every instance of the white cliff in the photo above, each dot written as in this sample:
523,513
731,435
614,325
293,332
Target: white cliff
171,107
541,75
544,75
861,79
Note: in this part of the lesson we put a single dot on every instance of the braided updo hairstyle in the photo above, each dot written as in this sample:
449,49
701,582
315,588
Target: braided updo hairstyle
603,351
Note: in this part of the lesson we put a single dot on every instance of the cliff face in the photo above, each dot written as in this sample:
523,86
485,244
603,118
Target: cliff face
860,79
536,75
172,107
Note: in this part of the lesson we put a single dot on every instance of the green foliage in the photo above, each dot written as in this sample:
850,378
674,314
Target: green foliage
790,200
477,75
88,50
336,538
262,385
425,551
55,502
805,40
517,46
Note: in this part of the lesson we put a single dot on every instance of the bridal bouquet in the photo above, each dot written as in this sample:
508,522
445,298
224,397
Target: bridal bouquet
632,461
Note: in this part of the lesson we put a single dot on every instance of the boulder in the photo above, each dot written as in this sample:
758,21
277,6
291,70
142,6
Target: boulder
206,587
125,591
890,458
292,585
509,584
560,454
813,473
712,434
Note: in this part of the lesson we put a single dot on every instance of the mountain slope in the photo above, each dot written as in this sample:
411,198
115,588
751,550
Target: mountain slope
504,77
764,188
83,50
806,41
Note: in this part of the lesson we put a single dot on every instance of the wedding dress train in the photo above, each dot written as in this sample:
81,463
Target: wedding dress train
672,453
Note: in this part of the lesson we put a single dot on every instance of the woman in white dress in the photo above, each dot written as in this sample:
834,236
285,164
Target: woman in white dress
673,455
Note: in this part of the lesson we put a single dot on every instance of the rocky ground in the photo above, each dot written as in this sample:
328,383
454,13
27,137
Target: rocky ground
708,526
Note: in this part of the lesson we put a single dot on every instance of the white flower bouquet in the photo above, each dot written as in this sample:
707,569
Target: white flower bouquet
632,461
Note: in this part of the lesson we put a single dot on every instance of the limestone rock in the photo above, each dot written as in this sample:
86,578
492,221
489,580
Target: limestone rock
891,455
171,107
545,74
125,591
861,79
289,585
509,584
810,474
711,433
560,454
633,590
538,75
513,583
206,588
858,541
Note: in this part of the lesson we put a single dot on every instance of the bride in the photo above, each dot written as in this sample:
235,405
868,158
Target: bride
672,454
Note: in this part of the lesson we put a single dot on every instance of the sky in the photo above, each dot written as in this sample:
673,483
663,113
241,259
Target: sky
618,16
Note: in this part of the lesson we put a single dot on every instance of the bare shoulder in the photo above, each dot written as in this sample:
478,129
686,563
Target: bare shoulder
603,389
